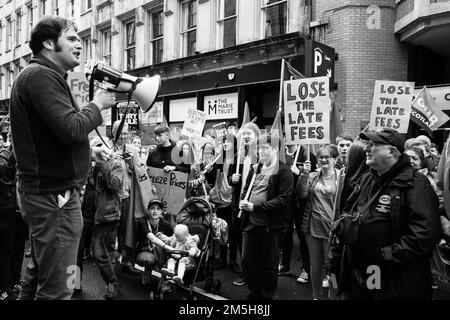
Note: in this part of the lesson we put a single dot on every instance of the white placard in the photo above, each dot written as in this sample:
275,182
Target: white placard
178,109
194,124
307,111
221,106
391,106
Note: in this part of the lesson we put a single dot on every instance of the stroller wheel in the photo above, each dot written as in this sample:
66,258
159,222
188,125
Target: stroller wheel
209,285
217,285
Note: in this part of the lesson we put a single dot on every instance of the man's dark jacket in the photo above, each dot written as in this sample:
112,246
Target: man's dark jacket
49,131
165,156
405,267
279,192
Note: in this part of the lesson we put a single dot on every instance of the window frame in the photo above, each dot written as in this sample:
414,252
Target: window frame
30,19
56,8
86,42
9,33
159,38
264,7
18,27
220,20
42,7
185,30
106,56
127,46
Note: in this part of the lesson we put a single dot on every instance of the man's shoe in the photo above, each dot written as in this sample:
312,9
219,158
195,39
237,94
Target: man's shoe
165,287
16,288
129,269
283,271
240,281
4,295
325,283
112,291
303,277
434,283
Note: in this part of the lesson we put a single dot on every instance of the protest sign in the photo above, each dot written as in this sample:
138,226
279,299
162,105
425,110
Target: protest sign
193,125
220,129
307,111
391,106
79,87
426,113
170,188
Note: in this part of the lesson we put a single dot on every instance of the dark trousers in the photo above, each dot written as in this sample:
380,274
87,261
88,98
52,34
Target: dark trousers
235,232
86,239
127,233
225,214
288,243
104,248
13,234
149,259
54,236
261,252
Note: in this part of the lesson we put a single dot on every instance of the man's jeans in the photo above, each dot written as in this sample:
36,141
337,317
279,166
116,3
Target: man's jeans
104,249
54,236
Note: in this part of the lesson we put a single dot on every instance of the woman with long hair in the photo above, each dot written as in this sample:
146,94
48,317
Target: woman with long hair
319,188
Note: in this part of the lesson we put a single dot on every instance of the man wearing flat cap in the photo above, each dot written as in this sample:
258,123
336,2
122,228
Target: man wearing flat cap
398,231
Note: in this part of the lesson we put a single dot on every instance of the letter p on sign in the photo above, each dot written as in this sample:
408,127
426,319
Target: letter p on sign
317,59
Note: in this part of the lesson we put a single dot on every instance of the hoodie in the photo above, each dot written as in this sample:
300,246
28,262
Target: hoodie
165,156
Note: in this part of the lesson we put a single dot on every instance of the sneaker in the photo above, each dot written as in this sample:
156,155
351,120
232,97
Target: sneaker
303,277
3,295
165,287
112,290
178,280
325,283
240,281
16,288
167,272
283,271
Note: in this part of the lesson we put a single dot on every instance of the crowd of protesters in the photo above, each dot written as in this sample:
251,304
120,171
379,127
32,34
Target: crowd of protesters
369,212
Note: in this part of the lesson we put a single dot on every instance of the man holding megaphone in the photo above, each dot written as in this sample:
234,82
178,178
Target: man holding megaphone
50,138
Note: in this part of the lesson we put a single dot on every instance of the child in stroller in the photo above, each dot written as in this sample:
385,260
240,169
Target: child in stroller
183,241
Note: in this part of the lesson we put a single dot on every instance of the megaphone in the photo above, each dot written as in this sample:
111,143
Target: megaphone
143,90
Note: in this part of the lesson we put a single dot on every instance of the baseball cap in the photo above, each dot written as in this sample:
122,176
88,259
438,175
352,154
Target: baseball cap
155,201
385,136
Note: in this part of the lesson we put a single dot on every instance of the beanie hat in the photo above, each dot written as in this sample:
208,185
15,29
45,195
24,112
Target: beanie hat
253,127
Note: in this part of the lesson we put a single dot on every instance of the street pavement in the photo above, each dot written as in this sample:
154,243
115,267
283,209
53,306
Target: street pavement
132,289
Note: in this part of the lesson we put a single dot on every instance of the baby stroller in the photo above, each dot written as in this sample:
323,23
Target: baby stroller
197,214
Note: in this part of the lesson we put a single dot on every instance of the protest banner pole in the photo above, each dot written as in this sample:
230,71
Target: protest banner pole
296,155
280,101
238,157
307,154
247,195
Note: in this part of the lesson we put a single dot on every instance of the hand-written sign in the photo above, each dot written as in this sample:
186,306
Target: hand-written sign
307,111
193,125
170,188
391,107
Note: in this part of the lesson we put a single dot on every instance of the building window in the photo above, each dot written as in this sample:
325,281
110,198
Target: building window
29,19
156,39
42,5
87,49
130,45
56,7
189,27
8,34
8,80
18,28
227,23
1,37
71,8
87,5
275,17
106,45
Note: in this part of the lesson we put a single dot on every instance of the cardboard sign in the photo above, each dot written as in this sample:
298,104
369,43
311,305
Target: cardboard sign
132,117
391,106
79,86
170,188
193,125
221,106
154,115
307,111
